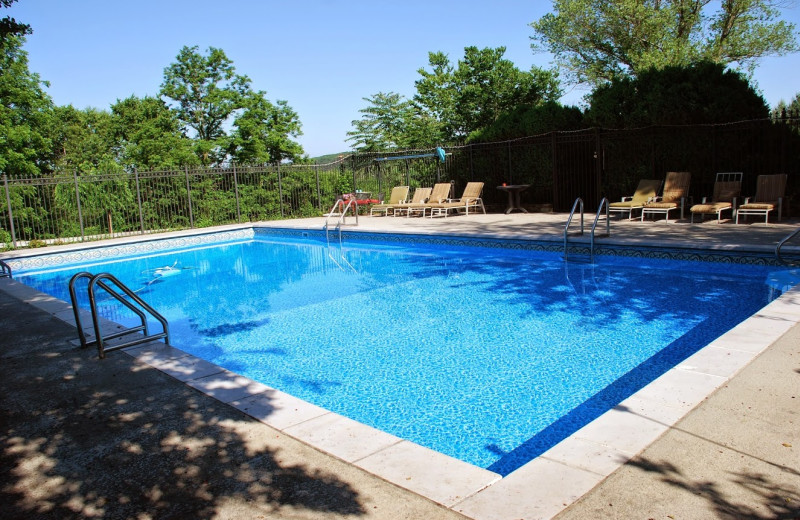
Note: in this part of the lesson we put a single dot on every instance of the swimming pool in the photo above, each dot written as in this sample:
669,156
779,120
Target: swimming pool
486,351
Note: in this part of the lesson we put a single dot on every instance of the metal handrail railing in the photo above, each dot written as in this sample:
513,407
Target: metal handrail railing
352,203
603,203
5,270
100,280
780,245
578,203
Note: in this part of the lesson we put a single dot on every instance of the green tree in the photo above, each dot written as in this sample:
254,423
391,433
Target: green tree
25,114
476,92
390,122
528,121
701,93
596,41
263,132
793,107
11,27
83,140
147,135
205,91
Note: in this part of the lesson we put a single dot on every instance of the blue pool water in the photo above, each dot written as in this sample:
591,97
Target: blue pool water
489,355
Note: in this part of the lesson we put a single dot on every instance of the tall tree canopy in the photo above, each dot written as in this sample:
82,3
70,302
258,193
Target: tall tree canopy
598,40
392,121
147,135
11,27
792,108
264,131
475,92
451,101
698,94
26,112
207,94
205,91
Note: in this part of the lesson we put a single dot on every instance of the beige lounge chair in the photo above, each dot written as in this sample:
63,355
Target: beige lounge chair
727,188
769,195
646,191
399,195
440,193
421,195
471,198
676,190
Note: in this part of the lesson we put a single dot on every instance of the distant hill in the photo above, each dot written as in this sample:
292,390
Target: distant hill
331,157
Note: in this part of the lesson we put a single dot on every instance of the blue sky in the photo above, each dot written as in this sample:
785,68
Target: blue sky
322,57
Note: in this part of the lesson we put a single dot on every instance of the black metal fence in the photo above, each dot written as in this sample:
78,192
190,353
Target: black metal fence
559,166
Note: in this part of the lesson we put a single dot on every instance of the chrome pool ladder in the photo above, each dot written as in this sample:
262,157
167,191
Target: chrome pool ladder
780,245
342,217
5,270
578,204
603,204
118,291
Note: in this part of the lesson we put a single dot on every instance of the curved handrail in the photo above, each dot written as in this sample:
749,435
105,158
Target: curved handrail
603,203
75,310
5,270
352,203
578,203
780,245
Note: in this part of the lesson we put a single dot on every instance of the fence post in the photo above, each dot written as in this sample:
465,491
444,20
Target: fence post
352,162
78,201
280,189
319,193
598,165
139,200
236,190
553,146
189,197
510,175
10,213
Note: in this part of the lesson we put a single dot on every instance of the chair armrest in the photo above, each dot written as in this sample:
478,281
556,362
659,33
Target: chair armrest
703,200
746,200
626,199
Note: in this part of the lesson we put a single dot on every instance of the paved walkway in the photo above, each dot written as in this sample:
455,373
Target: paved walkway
81,438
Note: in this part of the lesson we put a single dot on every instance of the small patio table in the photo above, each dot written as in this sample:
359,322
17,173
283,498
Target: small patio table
513,191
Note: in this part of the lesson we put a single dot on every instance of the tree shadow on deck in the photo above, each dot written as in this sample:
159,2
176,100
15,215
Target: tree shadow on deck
82,437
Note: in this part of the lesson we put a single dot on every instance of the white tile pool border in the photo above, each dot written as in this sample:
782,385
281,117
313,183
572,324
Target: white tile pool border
539,489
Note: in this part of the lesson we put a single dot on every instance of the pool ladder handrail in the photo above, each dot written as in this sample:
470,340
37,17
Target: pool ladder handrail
577,204
780,246
352,203
603,203
99,280
5,270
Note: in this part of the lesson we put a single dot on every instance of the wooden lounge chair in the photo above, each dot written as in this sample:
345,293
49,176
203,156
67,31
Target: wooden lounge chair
769,195
645,192
727,188
440,193
421,196
398,195
676,189
471,198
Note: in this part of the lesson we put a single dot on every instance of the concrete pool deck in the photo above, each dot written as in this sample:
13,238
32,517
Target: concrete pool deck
733,455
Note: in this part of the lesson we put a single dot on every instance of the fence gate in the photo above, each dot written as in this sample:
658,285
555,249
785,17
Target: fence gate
577,167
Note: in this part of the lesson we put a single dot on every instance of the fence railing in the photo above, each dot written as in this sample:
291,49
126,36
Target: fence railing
559,166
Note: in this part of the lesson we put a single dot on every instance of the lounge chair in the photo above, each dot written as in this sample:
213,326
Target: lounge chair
676,189
769,195
421,195
399,195
645,192
471,198
727,188
440,193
